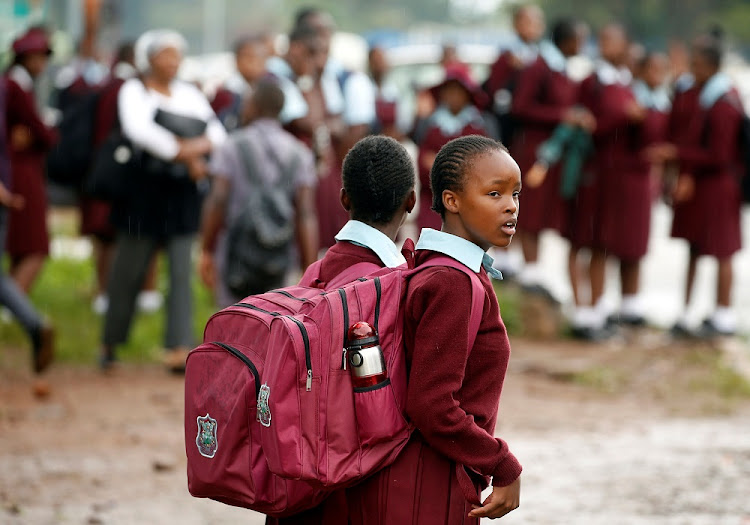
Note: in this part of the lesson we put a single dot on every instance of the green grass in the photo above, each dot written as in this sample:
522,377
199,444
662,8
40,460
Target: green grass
64,293
509,299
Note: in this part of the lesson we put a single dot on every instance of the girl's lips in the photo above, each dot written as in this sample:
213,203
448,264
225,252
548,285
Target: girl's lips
509,228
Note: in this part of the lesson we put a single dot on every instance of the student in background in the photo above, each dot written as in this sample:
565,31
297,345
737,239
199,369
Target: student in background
529,25
453,388
457,114
251,54
545,97
277,156
29,140
598,223
39,331
707,200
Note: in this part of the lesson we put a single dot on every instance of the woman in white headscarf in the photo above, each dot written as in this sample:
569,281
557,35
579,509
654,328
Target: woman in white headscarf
172,123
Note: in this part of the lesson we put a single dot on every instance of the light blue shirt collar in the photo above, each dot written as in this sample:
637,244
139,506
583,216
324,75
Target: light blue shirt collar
364,235
657,99
450,124
465,252
717,86
554,58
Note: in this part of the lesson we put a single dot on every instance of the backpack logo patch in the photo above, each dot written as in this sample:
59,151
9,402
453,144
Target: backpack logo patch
264,411
206,438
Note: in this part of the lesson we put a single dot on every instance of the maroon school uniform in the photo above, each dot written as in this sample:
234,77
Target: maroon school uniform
435,138
452,400
707,144
94,212
612,208
541,98
27,227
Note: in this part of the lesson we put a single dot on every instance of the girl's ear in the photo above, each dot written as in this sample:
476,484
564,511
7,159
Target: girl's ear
345,200
450,201
411,201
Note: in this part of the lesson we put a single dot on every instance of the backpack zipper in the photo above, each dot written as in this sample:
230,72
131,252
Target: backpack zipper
303,331
378,293
345,306
242,357
290,296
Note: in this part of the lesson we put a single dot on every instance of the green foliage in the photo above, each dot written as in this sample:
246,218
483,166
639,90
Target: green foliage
510,307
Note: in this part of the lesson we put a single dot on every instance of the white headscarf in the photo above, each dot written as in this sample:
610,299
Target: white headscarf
154,41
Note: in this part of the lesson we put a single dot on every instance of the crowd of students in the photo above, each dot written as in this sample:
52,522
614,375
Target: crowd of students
594,155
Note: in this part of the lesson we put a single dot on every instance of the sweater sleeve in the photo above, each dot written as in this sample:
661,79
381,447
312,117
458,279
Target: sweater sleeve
527,98
719,150
437,372
22,111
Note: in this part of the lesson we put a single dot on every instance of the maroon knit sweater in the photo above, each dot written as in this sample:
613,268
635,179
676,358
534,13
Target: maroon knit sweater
454,392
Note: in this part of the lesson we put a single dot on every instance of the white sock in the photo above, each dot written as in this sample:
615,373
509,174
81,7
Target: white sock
632,306
583,317
724,319
530,274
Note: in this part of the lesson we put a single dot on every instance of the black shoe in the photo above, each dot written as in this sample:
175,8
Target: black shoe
538,289
680,331
592,335
709,330
43,347
107,359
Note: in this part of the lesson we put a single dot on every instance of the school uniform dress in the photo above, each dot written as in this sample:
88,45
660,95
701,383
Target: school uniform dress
27,227
356,242
502,81
707,146
452,399
95,213
543,94
610,211
442,127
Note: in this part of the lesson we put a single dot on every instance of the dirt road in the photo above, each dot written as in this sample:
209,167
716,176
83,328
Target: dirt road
631,433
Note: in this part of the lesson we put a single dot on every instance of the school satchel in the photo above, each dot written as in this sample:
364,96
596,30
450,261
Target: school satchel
272,419
260,238
114,165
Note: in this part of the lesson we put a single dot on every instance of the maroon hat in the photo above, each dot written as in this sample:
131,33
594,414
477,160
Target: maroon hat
460,73
35,40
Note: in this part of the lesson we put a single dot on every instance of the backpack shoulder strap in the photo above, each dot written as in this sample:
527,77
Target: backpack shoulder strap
247,159
477,292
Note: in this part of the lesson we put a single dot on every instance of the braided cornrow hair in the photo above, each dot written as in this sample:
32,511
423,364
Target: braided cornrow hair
451,162
378,176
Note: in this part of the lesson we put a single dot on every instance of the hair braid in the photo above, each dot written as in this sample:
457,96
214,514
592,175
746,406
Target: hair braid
450,165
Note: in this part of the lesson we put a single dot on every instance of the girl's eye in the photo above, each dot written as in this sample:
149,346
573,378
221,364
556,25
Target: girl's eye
516,193
494,194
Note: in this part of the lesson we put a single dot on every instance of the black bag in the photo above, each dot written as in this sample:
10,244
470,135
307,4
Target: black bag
70,160
745,152
181,126
115,163
259,240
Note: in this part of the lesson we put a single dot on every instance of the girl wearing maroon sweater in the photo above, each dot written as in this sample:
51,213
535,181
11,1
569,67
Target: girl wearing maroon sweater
378,177
705,145
453,390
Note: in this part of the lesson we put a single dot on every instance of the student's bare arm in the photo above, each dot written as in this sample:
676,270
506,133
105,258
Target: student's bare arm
212,220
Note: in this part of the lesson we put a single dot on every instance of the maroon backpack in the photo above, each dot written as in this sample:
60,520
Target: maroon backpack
272,419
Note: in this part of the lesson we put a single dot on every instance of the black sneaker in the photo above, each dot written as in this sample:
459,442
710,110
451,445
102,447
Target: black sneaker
709,330
538,289
592,335
107,359
680,331
43,347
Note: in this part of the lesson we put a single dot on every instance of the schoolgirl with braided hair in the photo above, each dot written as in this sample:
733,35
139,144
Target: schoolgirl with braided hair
454,387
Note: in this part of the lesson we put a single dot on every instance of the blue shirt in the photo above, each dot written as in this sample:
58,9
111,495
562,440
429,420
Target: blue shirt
458,248
366,236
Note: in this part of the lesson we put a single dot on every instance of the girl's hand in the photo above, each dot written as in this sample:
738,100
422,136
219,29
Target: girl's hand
684,189
536,175
502,501
11,200
20,138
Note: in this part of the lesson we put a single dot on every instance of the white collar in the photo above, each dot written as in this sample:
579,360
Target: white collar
524,51
451,124
124,71
657,99
552,55
237,84
609,74
458,248
365,235
21,77
716,87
